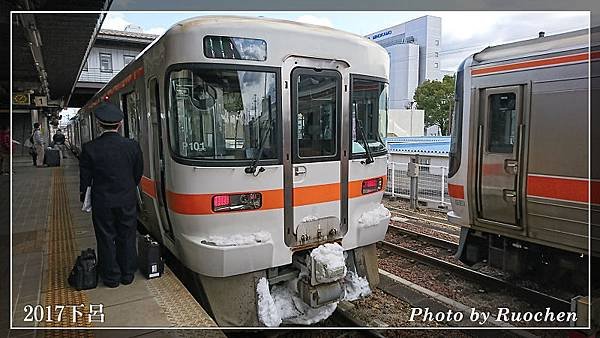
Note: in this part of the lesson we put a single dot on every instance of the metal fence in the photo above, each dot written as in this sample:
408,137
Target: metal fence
432,187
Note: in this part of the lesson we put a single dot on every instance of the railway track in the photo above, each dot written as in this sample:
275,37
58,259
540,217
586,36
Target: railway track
439,242
425,221
535,297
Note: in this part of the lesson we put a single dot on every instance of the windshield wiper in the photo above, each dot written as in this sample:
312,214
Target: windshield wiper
364,139
252,168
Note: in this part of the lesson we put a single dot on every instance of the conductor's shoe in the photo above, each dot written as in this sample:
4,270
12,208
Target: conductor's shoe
110,284
127,280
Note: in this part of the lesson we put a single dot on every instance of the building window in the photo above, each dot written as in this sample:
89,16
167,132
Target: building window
437,42
106,63
127,59
436,65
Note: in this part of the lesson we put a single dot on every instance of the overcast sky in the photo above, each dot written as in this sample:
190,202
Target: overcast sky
463,33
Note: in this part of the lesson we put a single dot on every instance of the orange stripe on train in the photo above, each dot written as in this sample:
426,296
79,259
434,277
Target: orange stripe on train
532,64
201,204
568,189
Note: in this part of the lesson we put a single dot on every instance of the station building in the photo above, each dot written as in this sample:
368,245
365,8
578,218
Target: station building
414,49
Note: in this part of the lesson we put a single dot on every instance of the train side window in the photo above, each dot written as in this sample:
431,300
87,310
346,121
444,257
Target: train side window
132,115
502,122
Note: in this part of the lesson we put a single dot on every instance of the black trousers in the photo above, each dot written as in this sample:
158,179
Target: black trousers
115,239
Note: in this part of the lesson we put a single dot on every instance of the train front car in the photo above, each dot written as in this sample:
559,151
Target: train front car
267,167
518,177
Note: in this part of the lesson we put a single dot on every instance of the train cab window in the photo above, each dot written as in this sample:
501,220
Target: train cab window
317,115
502,122
369,116
223,114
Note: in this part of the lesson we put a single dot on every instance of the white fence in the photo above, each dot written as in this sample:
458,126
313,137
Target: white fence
432,183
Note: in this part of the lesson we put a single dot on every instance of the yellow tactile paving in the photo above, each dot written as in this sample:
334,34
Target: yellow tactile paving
61,257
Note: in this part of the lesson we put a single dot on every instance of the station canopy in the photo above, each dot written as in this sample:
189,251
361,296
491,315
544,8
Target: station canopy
48,50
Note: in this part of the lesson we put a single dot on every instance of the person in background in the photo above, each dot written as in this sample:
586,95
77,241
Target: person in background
112,166
59,142
38,144
5,145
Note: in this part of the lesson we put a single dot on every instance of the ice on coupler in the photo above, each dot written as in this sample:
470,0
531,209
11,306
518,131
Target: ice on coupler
282,305
374,216
330,264
356,286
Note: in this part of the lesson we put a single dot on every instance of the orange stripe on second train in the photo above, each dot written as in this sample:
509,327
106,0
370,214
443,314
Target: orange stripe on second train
532,64
568,189
456,191
148,186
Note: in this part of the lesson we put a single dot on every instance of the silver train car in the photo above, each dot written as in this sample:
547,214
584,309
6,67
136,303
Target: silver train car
519,176
262,140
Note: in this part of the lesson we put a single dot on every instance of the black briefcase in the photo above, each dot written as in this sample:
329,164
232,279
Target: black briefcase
149,260
84,275
52,158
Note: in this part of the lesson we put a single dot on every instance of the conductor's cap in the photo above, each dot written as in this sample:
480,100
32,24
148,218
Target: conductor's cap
108,113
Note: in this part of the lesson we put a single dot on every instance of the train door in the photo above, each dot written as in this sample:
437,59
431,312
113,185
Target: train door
499,170
316,97
158,155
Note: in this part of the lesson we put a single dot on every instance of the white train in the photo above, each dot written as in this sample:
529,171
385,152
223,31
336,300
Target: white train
262,140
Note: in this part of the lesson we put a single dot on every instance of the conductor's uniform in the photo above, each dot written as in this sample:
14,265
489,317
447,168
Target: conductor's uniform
112,165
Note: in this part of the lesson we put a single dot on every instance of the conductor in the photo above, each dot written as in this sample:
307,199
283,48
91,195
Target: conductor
112,166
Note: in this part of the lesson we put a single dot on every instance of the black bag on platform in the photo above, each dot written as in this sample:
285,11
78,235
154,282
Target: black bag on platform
84,275
149,261
52,158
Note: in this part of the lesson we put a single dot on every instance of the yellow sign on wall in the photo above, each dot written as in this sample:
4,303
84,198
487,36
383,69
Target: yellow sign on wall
21,98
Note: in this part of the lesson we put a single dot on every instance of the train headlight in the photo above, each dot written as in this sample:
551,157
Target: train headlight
372,185
237,202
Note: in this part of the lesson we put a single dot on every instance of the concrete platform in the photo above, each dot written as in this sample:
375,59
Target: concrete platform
48,232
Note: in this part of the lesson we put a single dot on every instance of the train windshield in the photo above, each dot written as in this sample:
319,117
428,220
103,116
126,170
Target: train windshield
219,114
369,106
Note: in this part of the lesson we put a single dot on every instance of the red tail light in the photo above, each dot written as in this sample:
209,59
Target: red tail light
372,185
237,202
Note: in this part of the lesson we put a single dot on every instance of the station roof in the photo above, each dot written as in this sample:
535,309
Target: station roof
48,49
419,145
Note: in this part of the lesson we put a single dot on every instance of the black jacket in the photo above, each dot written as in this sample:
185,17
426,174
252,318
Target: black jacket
112,165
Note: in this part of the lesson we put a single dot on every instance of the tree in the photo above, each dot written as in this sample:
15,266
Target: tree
437,99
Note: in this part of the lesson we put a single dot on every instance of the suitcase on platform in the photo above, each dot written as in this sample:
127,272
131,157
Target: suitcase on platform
149,260
52,158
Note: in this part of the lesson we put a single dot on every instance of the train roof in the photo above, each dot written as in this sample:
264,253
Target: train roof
284,39
533,47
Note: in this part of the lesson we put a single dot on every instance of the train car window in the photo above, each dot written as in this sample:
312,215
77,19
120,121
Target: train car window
223,114
369,106
225,47
317,115
131,113
502,125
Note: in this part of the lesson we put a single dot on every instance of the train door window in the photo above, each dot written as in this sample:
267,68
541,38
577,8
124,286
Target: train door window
106,63
503,120
132,129
317,115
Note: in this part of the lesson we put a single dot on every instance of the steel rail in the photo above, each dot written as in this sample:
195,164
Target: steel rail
556,304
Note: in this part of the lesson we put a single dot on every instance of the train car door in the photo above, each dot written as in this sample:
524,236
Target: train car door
316,111
158,155
500,137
